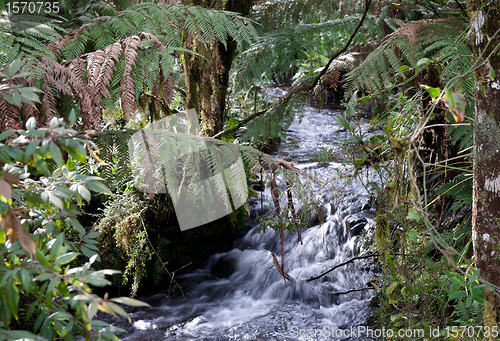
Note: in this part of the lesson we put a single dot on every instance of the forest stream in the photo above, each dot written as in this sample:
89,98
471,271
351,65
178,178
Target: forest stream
240,295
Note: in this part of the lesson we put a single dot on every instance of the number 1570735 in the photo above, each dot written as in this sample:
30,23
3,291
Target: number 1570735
32,7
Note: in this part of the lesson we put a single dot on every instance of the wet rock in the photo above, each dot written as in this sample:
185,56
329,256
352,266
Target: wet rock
356,224
224,266
157,300
366,205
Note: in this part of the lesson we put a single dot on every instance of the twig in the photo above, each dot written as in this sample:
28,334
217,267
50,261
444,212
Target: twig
342,264
352,290
170,274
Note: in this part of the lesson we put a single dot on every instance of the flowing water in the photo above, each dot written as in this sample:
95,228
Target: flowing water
239,295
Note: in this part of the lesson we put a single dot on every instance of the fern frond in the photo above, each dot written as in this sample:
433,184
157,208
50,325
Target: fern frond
130,46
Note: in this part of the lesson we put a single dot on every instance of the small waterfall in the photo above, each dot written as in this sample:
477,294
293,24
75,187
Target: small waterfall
240,295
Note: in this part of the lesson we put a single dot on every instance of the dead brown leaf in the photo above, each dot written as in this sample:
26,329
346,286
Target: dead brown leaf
10,178
14,231
5,189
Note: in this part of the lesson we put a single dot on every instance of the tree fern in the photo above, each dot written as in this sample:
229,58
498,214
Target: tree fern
454,52
433,39
276,54
379,68
124,58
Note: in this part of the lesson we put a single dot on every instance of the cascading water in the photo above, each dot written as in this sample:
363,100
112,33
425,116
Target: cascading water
240,295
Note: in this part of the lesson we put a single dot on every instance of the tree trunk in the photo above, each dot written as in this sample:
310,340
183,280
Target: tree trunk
485,16
207,80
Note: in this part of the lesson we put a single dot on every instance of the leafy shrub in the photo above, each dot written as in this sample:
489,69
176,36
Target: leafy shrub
42,239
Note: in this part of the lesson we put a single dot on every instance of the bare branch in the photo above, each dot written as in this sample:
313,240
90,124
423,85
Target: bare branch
352,290
342,264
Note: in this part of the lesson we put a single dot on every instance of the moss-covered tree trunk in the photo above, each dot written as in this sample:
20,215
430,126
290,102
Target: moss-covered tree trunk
207,79
485,16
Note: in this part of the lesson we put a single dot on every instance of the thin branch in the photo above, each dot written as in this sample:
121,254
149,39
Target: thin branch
342,264
241,124
170,274
352,290
346,46
299,89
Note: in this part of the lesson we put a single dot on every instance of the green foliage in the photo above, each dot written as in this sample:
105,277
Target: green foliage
114,163
468,293
39,251
424,207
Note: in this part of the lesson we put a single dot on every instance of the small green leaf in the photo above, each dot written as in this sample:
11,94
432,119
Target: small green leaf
433,92
49,293
375,186
84,192
130,301
14,66
12,297
43,277
492,74
77,226
423,61
46,329
16,98
25,279
30,149
412,234
66,258
28,95
391,288
72,117
21,335
54,249
41,166
413,215
75,148
468,301
55,153
120,311
97,280
81,297
98,187
92,310
87,252
93,234
457,294
56,200
6,134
